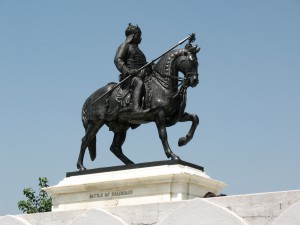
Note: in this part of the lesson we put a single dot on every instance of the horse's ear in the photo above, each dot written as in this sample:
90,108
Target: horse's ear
188,46
197,49
192,49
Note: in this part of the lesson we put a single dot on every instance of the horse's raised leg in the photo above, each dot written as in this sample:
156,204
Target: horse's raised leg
162,131
90,133
116,147
195,121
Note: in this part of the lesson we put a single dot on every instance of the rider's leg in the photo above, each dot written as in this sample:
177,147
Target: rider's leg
137,93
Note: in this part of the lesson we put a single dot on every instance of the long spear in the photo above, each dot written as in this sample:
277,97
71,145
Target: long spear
191,38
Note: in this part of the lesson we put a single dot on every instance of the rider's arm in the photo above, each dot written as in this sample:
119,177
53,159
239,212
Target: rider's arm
121,58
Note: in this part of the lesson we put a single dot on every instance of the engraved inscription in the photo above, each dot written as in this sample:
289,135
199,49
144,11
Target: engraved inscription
110,194
120,193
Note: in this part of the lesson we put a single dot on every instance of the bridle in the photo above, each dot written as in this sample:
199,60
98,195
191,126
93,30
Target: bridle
182,80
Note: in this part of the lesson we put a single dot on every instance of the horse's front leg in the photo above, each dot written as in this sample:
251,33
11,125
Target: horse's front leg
161,127
195,121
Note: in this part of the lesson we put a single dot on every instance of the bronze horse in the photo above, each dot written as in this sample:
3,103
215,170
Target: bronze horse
164,103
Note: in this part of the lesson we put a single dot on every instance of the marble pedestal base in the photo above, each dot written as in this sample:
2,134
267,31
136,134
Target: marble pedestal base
165,181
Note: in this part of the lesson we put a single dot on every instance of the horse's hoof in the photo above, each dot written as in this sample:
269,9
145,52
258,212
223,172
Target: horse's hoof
81,167
175,157
182,141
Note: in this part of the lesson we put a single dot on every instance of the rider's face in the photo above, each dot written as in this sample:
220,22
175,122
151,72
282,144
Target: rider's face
137,38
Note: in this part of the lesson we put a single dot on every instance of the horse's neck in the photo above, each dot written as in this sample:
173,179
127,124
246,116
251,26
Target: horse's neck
166,80
167,74
166,71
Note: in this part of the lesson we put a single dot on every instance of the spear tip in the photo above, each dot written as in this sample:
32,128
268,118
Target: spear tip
192,37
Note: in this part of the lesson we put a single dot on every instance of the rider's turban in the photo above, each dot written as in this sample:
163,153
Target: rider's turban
130,31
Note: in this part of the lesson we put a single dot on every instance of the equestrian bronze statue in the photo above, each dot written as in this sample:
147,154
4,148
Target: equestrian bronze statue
147,92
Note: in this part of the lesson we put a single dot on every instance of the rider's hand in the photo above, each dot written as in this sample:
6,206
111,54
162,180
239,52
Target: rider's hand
133,72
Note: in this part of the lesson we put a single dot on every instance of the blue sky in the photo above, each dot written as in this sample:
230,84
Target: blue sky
54,54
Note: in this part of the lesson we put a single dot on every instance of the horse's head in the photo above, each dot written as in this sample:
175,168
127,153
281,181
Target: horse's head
188,65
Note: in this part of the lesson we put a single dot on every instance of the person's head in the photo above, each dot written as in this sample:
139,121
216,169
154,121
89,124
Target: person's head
133,34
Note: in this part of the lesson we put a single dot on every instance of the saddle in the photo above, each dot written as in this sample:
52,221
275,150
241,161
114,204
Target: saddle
124,94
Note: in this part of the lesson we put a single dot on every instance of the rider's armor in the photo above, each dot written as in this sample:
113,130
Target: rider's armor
129,58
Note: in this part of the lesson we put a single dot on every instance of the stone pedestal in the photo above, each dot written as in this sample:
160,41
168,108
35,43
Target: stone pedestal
156,182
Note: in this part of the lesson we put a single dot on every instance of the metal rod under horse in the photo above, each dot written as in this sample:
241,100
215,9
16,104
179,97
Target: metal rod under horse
163,101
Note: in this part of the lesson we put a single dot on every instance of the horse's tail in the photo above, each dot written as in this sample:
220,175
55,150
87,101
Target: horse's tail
92,148
92,143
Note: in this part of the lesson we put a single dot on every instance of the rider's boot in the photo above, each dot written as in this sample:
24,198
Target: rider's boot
136,98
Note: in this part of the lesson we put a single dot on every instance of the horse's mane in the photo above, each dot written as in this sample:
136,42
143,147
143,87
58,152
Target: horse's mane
165,64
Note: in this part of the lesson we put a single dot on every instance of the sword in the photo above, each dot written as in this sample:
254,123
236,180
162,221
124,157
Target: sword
191,38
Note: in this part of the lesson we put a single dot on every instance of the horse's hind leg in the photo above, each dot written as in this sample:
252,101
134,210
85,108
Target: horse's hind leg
162,131
116,147
195,121
91,131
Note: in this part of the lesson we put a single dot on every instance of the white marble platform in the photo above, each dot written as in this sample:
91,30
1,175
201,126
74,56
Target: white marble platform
158,183
272,208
